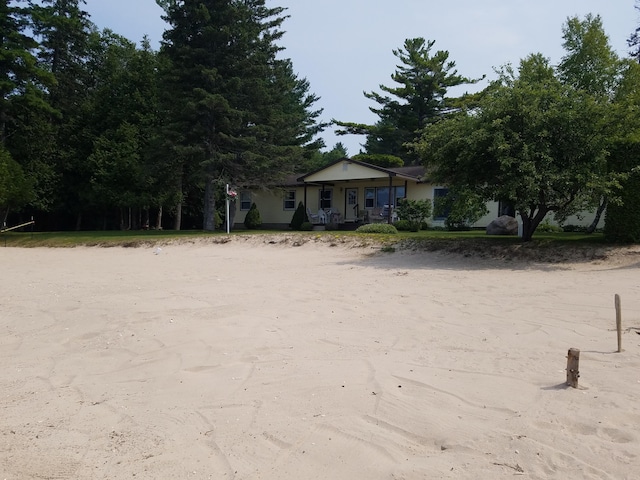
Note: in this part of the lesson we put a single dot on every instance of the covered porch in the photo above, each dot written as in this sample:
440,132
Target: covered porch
348,193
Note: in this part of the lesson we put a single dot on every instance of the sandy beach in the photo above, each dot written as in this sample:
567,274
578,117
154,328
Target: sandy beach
258,360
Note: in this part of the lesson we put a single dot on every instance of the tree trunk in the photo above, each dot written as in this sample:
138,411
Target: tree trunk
78,221
530,222
599,212
159,219
209,223
177,223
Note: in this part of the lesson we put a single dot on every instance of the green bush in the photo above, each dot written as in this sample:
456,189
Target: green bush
306,226
457,224
299,217
217,219
402,225
574,228
546,227
415,212
253,221
377,228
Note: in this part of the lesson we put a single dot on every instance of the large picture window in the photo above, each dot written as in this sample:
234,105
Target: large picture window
379,197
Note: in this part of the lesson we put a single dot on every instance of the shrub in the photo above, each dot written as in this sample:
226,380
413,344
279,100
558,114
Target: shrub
574,228
252,221
457,224
377,228
217,219
546,227
306,226
414,211
402,225
299,217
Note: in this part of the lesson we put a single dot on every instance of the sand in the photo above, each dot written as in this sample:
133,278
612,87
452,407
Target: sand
258,360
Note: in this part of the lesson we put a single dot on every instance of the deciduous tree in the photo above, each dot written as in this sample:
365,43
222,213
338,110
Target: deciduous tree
533,142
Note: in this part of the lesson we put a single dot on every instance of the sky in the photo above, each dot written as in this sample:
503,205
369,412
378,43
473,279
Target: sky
344,47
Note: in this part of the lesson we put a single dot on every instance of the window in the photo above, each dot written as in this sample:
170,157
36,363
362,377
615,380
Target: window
505,208
245,200
400,194
369,197
325,198
290,200
440,212
382,196
379,197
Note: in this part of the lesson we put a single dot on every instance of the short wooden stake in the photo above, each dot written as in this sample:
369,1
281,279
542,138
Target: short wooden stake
573,371
619,321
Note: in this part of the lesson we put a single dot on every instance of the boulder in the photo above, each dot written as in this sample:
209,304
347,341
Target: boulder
504,225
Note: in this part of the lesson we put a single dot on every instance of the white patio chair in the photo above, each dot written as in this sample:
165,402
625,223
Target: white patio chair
313,217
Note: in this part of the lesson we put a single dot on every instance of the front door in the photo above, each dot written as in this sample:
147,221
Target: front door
351,207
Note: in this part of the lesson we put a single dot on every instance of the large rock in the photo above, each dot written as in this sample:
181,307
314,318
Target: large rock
504,225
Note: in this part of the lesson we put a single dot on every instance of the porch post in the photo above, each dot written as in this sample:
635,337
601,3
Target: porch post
305,198
390,197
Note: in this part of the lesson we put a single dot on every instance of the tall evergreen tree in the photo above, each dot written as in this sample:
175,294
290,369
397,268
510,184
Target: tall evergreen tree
21,78
423,79
65,33
634,39
236,112
22,86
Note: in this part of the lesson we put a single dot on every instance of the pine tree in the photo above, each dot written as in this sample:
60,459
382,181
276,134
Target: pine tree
424,78
236,111
66,37
22,86
22,80
634,40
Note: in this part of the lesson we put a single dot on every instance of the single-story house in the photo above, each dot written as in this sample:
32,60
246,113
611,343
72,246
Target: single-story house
349,192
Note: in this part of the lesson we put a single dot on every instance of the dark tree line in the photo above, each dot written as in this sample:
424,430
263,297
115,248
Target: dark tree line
98,133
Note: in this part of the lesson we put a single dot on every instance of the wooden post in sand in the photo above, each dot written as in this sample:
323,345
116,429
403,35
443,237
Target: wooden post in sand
573,371
619,321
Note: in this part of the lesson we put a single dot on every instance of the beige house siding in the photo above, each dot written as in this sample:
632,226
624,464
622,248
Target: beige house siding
270,204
